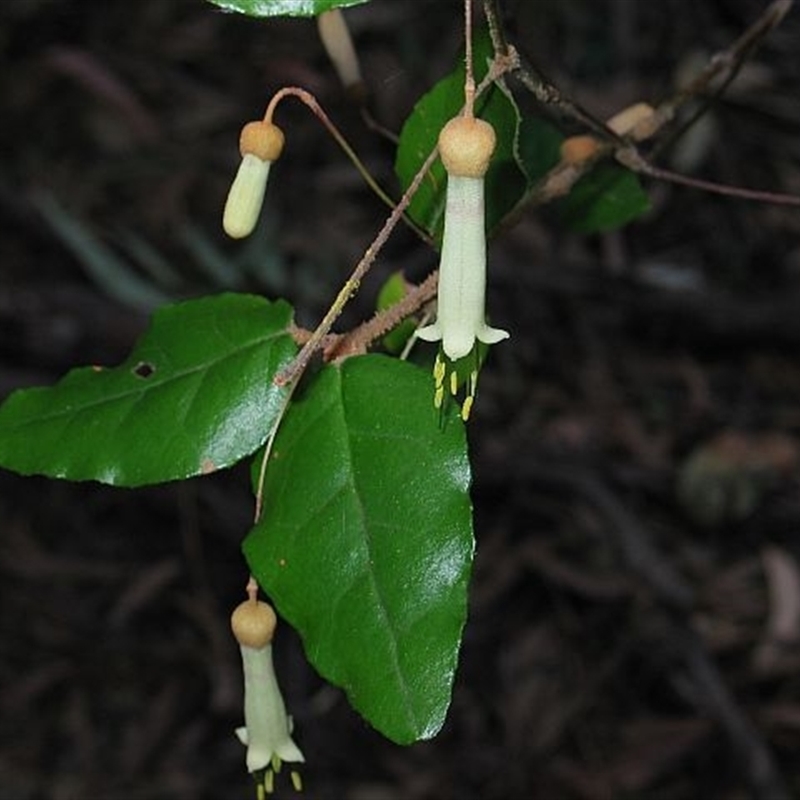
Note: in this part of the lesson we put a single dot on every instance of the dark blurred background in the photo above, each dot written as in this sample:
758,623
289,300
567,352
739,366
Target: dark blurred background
635,615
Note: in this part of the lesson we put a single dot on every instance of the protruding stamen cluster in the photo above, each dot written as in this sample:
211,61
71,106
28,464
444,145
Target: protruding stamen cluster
445,377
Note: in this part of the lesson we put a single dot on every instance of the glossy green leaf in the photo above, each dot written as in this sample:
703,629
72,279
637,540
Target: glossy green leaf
505,183
195,395
608,197
366,543
286,8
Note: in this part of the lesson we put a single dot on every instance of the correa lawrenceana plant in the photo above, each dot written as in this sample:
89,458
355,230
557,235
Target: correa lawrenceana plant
362,534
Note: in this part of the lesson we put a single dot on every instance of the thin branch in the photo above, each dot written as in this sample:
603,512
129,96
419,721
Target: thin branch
291,373
631,158
548,94
561,178
358,340
311,102
725,65
469,76
262,470
497,32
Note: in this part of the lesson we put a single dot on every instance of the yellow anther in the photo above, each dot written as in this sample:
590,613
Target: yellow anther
453,383
269,781
439,369
466,408
438,397
297,781
260,793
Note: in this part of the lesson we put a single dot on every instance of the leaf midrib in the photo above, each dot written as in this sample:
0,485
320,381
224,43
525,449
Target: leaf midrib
136,392
381,603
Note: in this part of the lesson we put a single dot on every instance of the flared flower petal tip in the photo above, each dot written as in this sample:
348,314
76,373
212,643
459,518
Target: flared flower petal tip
289,752
489,335
430,333
459,343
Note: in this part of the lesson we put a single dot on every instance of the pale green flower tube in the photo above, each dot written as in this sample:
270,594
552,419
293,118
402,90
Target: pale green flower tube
267,730
461,314
246,196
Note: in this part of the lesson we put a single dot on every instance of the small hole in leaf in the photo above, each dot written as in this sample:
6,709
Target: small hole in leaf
143,370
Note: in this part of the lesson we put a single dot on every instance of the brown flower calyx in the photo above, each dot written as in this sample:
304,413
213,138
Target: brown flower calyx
466,145
262,139
253,624
579,149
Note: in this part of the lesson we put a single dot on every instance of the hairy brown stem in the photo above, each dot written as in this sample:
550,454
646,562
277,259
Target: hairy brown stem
291,373
496,30
630,158
358,340
724,65
311,102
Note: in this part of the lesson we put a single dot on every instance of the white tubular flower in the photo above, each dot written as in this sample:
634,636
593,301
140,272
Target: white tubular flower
461,311
267,731
335,36
466,145
260,143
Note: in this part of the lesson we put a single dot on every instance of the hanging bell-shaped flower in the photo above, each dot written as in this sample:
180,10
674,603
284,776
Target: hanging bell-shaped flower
267,730
260,143
466,145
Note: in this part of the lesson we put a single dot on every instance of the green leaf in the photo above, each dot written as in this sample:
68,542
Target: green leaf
538,147
607,197
366,540
195,395
288,8
505,182
527,148
393,291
